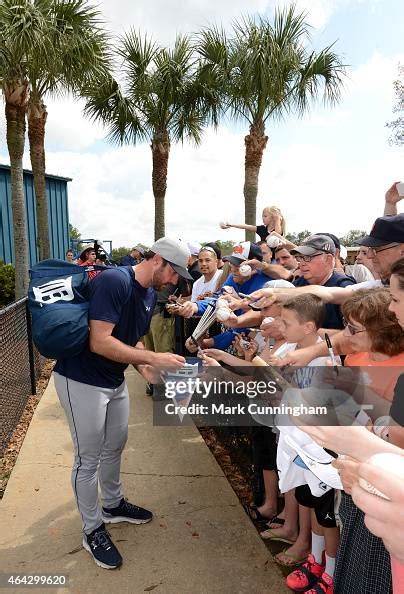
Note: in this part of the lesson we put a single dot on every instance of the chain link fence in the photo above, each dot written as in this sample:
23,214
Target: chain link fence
239,443
20,366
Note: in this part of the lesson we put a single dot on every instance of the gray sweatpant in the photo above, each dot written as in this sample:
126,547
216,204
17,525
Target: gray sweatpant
98,421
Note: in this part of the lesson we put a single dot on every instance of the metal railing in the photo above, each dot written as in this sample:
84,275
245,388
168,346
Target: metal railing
20,366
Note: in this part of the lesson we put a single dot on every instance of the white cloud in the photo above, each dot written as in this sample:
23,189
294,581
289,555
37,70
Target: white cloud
67,128
165,18
316,184
375,77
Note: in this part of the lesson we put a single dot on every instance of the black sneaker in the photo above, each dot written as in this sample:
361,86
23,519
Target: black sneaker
101,547
126,512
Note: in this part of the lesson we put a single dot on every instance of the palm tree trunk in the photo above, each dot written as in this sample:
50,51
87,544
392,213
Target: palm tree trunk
37,115
255,143
160,150
16,108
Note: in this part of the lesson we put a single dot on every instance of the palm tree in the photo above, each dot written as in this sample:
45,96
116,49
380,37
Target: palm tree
163,99
267,73
21,26
46,46
77,49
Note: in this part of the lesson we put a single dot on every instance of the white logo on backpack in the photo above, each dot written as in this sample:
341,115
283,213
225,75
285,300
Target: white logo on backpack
55,290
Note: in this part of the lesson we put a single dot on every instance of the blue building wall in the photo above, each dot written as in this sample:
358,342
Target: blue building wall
58,216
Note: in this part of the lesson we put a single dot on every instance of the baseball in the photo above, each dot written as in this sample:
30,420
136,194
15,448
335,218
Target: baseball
223,314
245,270
228,289
267,320
391,462
220,303
273,242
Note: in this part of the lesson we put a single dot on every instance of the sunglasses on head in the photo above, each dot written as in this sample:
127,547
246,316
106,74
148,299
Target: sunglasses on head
207,249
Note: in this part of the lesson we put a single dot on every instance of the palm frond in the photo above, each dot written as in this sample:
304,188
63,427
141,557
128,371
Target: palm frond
322,72
137,53
106,103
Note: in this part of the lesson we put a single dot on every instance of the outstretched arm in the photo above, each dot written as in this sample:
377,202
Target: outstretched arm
266,297
241,226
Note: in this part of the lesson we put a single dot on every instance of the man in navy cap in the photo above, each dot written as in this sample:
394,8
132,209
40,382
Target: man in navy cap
385,243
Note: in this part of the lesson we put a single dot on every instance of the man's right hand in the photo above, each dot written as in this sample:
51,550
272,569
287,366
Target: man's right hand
167,360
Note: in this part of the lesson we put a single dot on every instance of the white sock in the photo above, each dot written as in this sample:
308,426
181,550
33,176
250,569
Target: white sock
317,547
329,565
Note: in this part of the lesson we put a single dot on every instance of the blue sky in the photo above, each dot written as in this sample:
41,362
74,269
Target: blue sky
327,171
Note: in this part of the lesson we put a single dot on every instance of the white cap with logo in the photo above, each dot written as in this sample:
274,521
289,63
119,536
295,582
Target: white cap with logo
175,252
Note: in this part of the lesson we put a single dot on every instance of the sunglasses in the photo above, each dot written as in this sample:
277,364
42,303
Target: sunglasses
208,249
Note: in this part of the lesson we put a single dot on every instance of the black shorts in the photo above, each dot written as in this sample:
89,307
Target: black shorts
323,506
264,447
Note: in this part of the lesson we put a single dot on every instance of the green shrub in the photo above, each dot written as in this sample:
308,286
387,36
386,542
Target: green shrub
7,280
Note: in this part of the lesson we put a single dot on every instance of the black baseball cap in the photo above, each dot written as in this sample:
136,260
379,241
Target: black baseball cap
244,251
314,245
385,230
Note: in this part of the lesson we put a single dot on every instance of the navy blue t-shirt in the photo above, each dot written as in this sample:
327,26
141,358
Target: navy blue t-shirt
333,316
116,297
128,260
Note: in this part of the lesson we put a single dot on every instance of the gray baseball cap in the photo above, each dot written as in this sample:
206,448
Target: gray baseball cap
139,248
314,245
175,252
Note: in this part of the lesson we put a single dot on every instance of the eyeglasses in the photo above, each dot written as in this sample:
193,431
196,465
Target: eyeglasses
306,258
351,329
375,251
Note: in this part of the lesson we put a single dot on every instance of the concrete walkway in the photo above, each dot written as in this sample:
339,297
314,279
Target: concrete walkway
200,540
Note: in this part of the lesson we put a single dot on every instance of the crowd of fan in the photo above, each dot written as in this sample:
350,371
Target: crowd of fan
278,302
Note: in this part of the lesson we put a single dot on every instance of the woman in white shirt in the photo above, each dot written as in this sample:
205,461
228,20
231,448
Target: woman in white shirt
206,284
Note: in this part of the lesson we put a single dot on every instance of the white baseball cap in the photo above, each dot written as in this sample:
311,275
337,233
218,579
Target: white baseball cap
175,252
343,252
194,247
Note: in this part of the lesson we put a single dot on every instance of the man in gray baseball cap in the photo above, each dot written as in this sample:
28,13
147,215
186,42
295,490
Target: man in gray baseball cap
92,389
175,253
316,259
315,245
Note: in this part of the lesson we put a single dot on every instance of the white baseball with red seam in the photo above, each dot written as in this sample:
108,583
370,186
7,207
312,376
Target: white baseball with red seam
393,463
268,320
245,270
220,303
223,314
228,289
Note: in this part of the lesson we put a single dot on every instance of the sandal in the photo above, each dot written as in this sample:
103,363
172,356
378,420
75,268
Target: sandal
273,537
276,522
288,560
255,515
